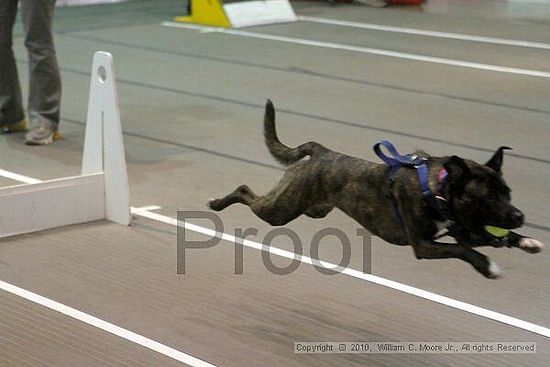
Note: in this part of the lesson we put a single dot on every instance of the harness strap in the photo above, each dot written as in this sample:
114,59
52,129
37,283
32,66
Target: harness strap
398,160
436,204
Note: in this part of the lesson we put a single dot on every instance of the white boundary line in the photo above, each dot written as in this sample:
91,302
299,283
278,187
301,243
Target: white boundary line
421,32
92,320
17,177
105,326
434,297
365,50
459,305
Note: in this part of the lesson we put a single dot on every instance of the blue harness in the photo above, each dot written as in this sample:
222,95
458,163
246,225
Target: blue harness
436,203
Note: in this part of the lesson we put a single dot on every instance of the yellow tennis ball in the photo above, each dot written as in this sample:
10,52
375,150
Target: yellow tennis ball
497,231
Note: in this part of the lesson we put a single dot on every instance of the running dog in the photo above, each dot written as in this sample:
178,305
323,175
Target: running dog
468,196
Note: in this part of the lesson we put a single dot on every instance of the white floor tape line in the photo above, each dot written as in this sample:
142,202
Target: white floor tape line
105,326
427,33
365,50
459,305
17,177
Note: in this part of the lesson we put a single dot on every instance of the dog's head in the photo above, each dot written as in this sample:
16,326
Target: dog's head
478,194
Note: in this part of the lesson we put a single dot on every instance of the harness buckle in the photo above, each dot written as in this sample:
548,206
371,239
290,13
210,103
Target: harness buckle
421,162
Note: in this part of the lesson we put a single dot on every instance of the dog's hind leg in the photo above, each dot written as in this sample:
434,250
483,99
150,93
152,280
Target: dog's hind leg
242,194
289,199
319,211
276,208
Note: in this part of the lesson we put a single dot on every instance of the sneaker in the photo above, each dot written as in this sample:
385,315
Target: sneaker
44,134
15,128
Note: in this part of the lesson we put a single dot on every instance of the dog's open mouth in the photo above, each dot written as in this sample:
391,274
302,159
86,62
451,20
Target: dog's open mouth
504,226
509,224
501,225
511,221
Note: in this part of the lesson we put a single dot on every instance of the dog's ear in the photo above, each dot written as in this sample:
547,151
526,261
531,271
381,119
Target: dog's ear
457,170
495,163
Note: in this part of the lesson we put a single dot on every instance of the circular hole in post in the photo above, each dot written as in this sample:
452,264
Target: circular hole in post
102,74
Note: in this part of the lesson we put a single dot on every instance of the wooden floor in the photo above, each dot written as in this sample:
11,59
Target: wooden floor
192,106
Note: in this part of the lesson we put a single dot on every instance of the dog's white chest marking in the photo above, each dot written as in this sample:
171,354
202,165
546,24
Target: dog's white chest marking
442,226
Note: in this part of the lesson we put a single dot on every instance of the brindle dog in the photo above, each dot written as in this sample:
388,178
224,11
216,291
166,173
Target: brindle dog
319,179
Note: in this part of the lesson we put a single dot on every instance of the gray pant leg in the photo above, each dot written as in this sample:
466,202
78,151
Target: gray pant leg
11,106
45,81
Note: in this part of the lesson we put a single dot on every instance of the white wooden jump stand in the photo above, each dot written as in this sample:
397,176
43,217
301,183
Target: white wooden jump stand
101,190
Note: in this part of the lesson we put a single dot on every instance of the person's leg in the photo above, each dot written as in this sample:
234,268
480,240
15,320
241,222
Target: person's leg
44,79
11,107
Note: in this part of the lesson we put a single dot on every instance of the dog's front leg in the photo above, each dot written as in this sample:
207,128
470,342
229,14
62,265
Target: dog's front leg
420,233
512,239
527,244
434,250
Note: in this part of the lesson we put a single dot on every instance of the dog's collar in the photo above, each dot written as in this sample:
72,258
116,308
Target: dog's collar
442,177
436,201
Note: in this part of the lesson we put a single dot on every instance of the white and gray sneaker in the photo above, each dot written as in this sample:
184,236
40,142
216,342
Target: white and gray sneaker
43,134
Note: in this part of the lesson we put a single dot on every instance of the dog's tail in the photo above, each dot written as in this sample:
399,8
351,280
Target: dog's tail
285,155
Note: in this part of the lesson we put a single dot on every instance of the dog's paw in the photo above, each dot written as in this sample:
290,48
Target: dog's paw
209,203
493,270
213,204
531,245
490,270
